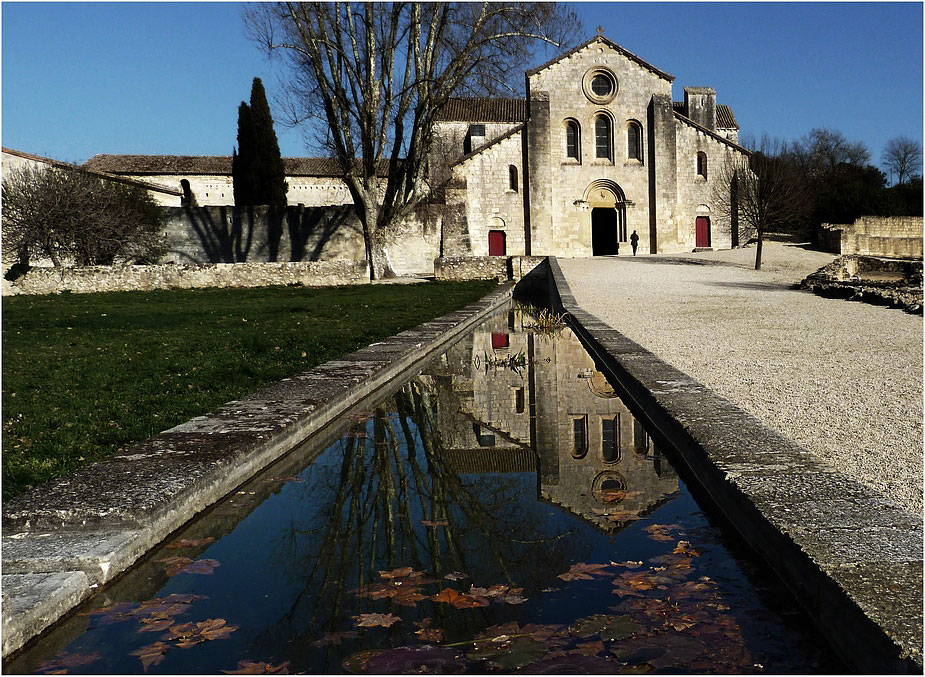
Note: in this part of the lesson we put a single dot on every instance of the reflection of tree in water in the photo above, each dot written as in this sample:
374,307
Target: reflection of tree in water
365,499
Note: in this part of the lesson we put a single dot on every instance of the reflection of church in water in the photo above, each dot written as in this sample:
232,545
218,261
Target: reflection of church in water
510,400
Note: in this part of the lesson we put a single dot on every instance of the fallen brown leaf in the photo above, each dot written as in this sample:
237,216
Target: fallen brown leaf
583,572
375,620
459,600
248,667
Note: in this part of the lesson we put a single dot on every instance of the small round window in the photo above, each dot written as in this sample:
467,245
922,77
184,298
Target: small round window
599,85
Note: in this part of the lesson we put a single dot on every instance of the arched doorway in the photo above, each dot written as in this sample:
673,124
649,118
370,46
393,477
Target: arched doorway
608,217
604,231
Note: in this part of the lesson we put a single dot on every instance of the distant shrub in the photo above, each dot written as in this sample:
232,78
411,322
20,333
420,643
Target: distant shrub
74,217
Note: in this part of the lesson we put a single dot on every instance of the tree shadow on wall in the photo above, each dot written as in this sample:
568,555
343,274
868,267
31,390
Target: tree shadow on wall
311,228
223,240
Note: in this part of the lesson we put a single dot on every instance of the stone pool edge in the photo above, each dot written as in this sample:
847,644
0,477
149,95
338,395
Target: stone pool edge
74,534
852,558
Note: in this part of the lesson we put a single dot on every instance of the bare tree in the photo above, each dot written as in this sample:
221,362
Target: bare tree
761,193
375,75
72,216
823,149
903,156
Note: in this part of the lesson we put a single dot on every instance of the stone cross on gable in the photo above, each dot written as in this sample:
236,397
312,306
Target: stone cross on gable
600,31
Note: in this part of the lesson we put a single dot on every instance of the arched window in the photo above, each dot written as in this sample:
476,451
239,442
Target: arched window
572,140
702,164
512,178
603,138
634,141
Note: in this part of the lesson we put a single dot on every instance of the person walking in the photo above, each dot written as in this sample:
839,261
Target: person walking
634,241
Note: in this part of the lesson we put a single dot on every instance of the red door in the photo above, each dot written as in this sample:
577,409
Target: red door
703,231
496,245
499,340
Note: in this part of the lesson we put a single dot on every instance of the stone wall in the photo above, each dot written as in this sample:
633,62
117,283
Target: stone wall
491,202
696,193
897,237
262,234
296,233
457,268
91,279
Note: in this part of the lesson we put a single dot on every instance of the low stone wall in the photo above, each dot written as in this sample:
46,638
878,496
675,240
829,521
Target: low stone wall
893,237
91,279
878,281
295,233
458,268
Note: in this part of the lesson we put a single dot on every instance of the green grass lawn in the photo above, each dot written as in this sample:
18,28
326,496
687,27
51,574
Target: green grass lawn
87,374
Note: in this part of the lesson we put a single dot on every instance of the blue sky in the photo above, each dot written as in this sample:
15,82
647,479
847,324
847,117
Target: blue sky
166,78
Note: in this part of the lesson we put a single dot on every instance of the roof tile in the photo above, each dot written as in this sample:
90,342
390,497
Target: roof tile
458,109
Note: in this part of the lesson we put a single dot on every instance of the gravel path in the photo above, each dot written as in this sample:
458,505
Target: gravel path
843,379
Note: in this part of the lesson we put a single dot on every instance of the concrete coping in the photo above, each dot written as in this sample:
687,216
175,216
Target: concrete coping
74,534
852,558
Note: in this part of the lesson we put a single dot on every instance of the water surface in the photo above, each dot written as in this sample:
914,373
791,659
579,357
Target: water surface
503,510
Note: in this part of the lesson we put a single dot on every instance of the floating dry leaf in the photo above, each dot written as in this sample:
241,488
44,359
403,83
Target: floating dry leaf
435,523
456,576
174,565
189,543
684,548
582,571
589,648
191,634
152,654
499,593
155,624
335,638
458,599
401,572
407,596
375,620
150,612
201,566
248,667
430,634
607,627
628,564
113,613
661,532
60,664
610,495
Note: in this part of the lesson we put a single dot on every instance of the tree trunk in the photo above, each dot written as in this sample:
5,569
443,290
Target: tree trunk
379,266
374,240
758,249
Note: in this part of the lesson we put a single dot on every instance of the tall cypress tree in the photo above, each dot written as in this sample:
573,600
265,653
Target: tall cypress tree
269,174
257,167
242,161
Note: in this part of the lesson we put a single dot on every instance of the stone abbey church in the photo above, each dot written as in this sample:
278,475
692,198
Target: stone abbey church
597,150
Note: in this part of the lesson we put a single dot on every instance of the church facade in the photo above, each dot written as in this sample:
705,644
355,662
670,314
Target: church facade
596,152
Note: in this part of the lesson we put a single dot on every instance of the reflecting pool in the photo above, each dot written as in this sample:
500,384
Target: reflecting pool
501,511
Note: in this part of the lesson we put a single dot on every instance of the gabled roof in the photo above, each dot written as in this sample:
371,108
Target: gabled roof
94,171
493,142
613,45
724,116
160,164
458,109
708,132
208,164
